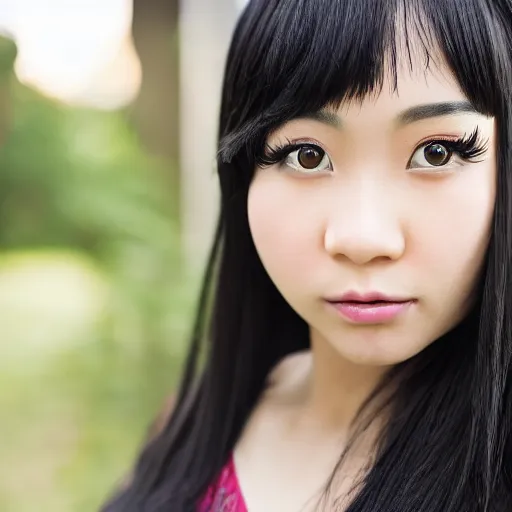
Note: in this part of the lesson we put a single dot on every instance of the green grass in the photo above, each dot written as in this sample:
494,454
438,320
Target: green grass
72,430
94,303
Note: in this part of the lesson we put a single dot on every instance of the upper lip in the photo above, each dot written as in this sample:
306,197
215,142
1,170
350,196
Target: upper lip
368,297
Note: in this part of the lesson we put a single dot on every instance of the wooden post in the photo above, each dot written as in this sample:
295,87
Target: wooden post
205,32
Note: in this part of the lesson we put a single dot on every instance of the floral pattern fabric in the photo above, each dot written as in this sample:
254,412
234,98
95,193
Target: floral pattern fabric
224,495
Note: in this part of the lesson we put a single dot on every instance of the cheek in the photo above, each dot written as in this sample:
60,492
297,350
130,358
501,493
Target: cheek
450,239
285,226
446,224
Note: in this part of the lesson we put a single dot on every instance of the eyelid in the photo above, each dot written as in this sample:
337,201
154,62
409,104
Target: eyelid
435,138
307,140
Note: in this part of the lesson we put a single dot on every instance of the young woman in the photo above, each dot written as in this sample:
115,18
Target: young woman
354,339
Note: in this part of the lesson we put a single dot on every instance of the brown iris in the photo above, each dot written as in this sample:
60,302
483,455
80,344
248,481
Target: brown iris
310,157
437,154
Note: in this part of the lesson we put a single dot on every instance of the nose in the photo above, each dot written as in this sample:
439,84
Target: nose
365,228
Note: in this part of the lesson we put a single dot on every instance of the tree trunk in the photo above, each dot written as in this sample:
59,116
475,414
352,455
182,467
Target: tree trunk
205,31
156,110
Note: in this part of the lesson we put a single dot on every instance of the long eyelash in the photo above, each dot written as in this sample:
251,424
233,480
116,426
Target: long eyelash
277,155
467,147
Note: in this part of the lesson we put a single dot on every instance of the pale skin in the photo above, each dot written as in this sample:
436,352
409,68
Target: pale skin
370,223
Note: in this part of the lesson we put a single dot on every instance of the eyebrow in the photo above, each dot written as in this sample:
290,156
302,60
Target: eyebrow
408,116
421,112
325,117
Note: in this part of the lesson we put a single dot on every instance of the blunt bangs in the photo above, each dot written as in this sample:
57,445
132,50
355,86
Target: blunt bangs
304,55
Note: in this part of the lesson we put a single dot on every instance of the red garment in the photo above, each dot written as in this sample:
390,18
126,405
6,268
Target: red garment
225,494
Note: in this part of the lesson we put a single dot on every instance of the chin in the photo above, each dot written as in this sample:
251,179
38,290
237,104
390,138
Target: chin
378,353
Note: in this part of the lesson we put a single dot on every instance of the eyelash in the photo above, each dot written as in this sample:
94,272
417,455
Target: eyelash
278,154
467,148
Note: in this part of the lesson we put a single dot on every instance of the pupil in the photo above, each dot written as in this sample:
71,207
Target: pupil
436,154
310,157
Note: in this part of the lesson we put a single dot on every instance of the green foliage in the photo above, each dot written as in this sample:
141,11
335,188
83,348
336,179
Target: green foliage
77,181
8,52
78,178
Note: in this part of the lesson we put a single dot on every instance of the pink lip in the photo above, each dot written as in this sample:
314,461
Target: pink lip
371,308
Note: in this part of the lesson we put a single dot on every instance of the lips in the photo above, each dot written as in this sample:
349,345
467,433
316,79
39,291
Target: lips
370,308
370,297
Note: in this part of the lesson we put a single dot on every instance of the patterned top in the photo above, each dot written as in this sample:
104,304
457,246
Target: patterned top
225,494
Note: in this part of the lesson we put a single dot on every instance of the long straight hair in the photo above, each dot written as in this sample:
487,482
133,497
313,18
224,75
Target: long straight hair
448,444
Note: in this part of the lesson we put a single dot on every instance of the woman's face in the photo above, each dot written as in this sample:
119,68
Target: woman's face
388,201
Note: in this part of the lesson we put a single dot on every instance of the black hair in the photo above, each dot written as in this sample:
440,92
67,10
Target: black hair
448,444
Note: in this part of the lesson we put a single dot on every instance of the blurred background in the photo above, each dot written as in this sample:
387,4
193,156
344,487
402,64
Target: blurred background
108,116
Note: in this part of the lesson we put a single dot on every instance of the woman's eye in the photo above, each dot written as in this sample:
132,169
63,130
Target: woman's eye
433,154
309,159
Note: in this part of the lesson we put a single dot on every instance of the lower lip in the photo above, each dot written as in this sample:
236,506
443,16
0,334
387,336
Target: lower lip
366,313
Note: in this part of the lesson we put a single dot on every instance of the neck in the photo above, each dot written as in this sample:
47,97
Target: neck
337,387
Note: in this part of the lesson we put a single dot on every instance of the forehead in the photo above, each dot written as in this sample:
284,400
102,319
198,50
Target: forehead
406,88
410,95
415,72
